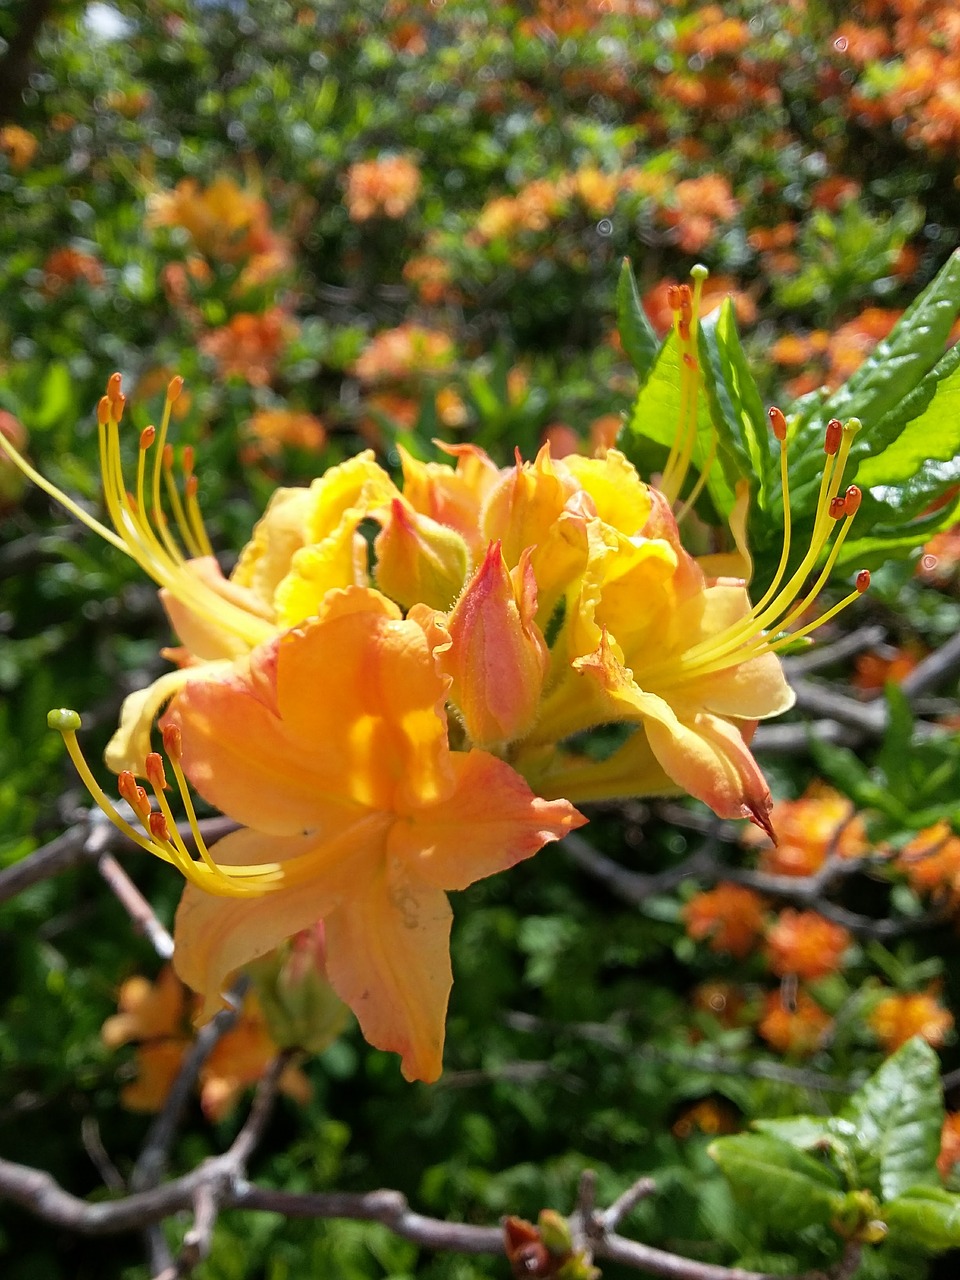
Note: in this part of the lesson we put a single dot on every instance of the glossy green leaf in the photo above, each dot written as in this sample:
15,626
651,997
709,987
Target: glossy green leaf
898,1115
925,1218
637,334
783,1187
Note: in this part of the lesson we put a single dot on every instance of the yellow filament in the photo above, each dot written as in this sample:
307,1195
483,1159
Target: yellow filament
783,641
697,489
196,523
191,813
186,532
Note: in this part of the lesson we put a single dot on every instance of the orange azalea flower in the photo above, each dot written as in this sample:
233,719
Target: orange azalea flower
898,1018
239,1059
386,187
931,860
873,671
224,221
431,276
940,558
730,917
64,267
250,346
409,349
949,1144
19,145
370,820
820,822
710,1116
805,944
799,1029
148,1010
271,429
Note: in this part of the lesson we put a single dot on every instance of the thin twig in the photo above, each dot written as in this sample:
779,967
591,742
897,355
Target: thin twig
136,906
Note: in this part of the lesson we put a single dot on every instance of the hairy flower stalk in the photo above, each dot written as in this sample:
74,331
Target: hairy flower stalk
391,725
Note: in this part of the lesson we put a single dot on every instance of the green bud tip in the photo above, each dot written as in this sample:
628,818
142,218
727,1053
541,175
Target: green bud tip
699,272
852,426
63,720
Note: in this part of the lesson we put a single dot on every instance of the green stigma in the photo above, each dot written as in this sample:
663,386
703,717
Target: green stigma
63,720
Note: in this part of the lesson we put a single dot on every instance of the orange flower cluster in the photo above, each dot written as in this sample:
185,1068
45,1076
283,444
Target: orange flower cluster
941,556
806,945
729,917
698,206
225,222
398,353
835,355
874,670
269,430
430,277
386,187
931,862
819,823
775,247
250,345
949,1144
710,33
899,1017
797,1028
154,1017
919,43
18,145
65,267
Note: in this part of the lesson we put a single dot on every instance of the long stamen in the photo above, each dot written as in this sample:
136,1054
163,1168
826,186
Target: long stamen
685,303
173,494
779,608
143,534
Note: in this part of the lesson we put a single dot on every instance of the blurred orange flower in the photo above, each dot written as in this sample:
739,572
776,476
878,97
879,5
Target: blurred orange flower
798,1030
873,670
394,354
729,917
949,1144
226,222
897,1018
931,860
250,345
710,1116
269,430
805,944
385,187
64,267
19,145
820,822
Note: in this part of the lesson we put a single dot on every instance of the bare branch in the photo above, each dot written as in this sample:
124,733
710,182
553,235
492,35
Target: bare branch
136,906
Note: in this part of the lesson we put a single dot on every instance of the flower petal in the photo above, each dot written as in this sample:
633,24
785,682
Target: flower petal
388,958
491,821
128,747
214,936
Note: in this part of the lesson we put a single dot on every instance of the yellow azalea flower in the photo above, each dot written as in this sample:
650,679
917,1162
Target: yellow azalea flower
354,811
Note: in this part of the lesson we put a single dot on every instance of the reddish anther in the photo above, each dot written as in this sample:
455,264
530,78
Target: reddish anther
863,580
172,742
689,361
157,824
833,437
190,487
119,404
147,437
154,771
168,456
673,297
837,506
131,792
852,499
778,422
174,387
684,330
114,383
103,410
188,459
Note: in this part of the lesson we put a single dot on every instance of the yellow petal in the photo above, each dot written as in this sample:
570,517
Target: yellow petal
128,747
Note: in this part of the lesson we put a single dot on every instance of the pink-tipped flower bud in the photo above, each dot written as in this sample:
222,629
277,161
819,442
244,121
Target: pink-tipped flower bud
497,657
301,1009
419,561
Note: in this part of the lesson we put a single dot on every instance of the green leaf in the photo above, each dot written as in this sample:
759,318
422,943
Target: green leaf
803,1132
897,363
735,405
931,433
893,372
924,1218
781,1185
656,417
637,334
898,1116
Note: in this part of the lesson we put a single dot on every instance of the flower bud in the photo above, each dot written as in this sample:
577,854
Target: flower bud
497,658
299,1006
419,560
